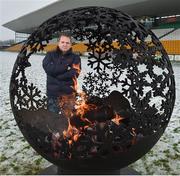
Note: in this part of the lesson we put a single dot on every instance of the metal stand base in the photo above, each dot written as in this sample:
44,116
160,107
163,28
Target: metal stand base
54,170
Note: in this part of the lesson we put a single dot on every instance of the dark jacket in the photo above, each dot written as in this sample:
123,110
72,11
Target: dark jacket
60,73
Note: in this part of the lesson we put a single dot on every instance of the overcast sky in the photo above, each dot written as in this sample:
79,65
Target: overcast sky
12,9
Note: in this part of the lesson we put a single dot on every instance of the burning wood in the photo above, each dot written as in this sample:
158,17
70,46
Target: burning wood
86,111
94,124
99,114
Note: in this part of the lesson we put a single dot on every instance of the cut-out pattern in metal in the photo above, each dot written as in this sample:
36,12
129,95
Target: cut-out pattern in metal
123,57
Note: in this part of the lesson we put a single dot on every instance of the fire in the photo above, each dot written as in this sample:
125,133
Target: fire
75,137
71,133
78,70
75,85
76,108
117,119
91,122
77,67
81,108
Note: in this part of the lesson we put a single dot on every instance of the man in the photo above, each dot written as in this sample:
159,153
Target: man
62,67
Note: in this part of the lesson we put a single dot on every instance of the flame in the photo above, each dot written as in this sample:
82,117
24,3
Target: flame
117,119
83,108
77,68
75,137
75,84
71,133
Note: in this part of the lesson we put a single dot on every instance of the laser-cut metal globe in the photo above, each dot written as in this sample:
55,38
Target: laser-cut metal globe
130,73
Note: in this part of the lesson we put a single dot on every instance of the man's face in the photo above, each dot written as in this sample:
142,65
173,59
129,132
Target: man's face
64,43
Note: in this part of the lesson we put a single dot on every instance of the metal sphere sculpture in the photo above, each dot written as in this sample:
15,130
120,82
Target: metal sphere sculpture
129,71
